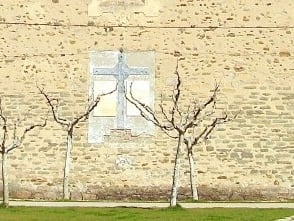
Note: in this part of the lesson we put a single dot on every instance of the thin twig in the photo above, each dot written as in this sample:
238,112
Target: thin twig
175,98
91,107
4,127
54,108
148,114
18,141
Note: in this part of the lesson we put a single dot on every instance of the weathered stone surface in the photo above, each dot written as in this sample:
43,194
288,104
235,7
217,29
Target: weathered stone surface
248,45
188,13
154,193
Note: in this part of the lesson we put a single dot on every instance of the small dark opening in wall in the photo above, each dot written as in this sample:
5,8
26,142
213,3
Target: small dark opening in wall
55,1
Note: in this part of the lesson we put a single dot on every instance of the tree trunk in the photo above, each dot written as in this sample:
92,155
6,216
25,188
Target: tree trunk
194,190
5,180
176,174
66,192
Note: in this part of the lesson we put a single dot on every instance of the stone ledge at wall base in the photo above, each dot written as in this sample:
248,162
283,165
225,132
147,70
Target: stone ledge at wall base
155,193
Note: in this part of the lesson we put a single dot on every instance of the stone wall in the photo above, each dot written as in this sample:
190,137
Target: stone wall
247,45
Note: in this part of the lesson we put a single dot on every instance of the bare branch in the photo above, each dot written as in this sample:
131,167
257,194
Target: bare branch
54,108
186,116
14,130
219,120
196,138
213,97
163,111
149,115
209,128
1,112
18,141
213,125
143,108
194,118
197,110
5,132
235,116
175,98
91,107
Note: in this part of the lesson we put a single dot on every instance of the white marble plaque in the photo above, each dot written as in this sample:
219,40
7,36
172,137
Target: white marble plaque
107,107
114,112
140,91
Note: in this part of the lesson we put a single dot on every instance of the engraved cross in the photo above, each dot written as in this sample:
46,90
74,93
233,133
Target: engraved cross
121,71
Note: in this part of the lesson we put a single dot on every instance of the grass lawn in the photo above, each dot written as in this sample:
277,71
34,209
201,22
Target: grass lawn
132,214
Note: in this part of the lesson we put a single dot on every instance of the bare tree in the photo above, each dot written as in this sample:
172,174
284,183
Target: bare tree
15,142
69,125
169,125
204,121
183,126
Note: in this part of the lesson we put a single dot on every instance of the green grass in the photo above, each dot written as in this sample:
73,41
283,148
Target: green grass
131,214
235,201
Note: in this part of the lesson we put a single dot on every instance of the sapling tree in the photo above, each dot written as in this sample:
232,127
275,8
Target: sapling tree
68,125
203,119
183,126
168,122
10,143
